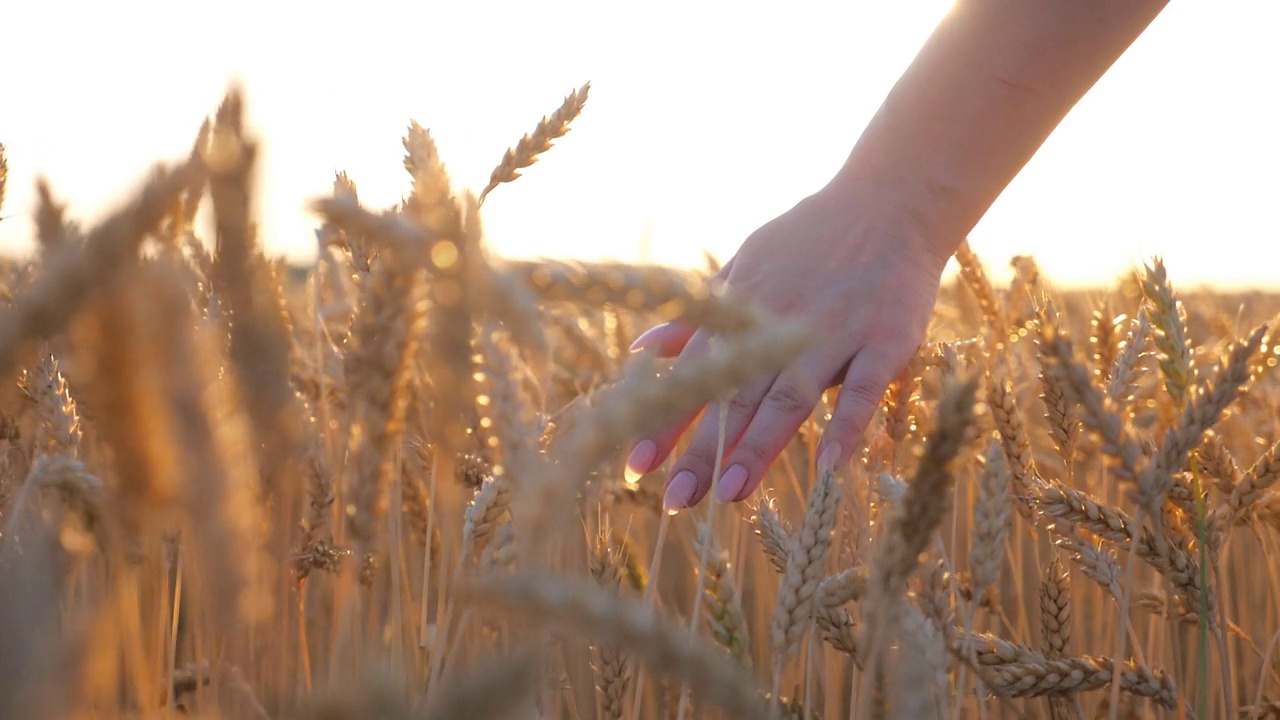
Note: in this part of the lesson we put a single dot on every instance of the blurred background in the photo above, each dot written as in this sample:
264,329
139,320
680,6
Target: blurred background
705,120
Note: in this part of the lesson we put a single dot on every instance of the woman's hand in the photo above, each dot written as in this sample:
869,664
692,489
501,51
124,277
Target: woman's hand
866,280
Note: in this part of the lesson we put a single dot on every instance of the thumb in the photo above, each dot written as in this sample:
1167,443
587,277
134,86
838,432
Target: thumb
668,339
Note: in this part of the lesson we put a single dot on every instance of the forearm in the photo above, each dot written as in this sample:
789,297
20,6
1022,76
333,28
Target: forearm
986,90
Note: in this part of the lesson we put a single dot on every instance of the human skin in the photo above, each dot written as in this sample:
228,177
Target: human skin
861,258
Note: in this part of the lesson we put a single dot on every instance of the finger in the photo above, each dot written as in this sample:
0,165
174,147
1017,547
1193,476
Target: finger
668,338
870,373
693,472
784,408
649,452
723,273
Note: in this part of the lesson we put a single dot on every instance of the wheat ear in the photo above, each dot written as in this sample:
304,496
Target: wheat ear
71,276
59,428
1250,488
914,520
1120,385
1200,413
806,553
612,671
642,401
720,598
1013,670
1096,409
975,276
990,522
671,293
1061,411
526,151
1055,628
772,532
1015,438
1165,550
1104,330
1170,322
386,332
580,608
927,498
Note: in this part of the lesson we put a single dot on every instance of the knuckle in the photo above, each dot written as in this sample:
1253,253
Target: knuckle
757,454
740,405
861,395
788,399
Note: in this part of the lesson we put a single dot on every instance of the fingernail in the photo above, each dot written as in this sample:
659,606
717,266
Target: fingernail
645,337
829,457
640,461
731,484
679,492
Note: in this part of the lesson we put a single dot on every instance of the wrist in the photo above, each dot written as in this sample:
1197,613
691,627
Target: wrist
897,206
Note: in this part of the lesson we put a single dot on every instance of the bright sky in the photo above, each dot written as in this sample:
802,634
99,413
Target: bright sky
705,120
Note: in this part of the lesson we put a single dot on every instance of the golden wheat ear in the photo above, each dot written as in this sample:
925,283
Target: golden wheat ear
526,151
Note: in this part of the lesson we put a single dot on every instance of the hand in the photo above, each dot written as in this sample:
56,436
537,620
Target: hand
865,279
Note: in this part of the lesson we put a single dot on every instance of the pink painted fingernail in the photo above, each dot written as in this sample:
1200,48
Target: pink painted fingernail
646,336
829,457
640,461
679,492
731,484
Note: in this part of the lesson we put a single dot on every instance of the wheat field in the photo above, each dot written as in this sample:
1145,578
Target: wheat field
392,485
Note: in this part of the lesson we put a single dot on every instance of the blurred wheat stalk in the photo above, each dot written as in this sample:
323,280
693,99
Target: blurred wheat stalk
393,487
